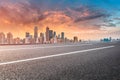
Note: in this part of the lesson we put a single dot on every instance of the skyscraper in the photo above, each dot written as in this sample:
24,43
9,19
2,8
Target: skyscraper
41,39
27,37
27,34
2,38
35,33
16,40
9,38
51,34
47,34
75,39
41,35
58,36
45,37
54,34
62,35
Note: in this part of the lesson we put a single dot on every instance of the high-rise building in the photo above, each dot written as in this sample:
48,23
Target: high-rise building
54,34
41,35
47,34
110,38
41,39
35,33
45,37
27,34
27,38
55,39
9,38
51,34
58,36
62,35
75,39
17,40
2,38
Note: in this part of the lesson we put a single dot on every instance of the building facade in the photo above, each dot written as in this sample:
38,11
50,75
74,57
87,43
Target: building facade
2,38
35,34
47,34
9,38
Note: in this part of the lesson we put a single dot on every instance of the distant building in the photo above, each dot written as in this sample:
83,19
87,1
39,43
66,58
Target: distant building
62,35
36,33
58,36
47,34
17,40
27,34
27,38
44,38
41,39
41,34
54,34
2,38
32,41
75,39
106,39
110,38
9,38
50,34
55,39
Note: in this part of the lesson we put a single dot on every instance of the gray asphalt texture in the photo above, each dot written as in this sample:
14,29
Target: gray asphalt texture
92,65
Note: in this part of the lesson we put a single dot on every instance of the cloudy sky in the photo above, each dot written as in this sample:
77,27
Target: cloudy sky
87,19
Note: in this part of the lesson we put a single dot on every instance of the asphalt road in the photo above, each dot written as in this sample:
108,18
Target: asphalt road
78,61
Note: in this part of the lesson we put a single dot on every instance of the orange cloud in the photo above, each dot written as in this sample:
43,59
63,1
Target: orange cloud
19,18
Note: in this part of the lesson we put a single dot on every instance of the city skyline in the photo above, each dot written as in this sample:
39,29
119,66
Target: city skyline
48,37
59,32
86,19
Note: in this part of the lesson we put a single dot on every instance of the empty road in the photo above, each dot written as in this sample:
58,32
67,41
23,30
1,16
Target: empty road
73,61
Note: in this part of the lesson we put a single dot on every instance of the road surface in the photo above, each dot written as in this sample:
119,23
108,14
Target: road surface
75,61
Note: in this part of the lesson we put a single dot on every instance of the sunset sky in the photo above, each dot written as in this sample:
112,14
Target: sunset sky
87,19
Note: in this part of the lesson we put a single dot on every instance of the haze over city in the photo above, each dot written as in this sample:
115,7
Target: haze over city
59,39
86,19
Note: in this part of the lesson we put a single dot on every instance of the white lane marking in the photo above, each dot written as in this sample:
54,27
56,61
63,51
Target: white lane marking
42,47
56,55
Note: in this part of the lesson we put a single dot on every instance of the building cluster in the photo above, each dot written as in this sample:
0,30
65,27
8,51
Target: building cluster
9,39
49,36
106,39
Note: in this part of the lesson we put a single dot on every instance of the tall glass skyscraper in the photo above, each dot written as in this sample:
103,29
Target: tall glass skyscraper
35,33
47,34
